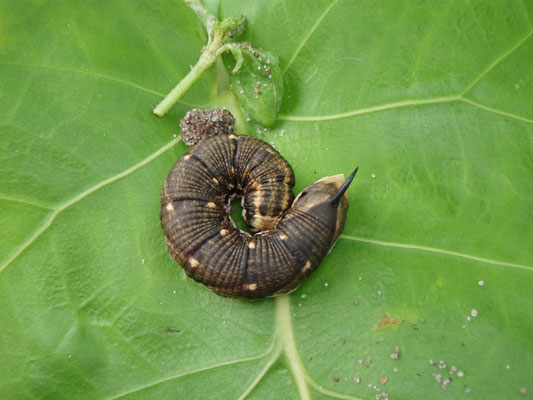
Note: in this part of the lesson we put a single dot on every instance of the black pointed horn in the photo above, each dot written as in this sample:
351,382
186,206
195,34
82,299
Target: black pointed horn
335,200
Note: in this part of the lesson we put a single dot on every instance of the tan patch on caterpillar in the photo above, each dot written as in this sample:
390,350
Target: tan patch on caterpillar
307,266
263,222
193,262
285,200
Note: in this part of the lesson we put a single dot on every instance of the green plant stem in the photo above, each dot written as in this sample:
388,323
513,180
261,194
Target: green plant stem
207,59
218,33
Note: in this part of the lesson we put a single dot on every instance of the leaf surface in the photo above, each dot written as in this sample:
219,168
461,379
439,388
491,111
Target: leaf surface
257,84
432,102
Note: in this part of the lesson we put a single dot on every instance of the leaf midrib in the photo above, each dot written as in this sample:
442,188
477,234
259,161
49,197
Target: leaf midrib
283,343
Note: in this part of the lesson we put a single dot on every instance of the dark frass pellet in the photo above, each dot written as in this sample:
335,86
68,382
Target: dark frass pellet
198,124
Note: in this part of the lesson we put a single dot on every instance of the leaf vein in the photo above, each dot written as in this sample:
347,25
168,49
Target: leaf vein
491,66
309,34
194,371
401,104
496,111
330,392
369,110
95,75
285,332
24,201
436,250
262,373
79,197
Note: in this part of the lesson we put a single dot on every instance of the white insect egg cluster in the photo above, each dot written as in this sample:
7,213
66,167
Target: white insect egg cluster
441,378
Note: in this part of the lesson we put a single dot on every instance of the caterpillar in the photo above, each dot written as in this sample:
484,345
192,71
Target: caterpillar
293,234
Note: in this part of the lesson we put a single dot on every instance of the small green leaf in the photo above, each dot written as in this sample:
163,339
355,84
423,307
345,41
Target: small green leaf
258,84
232,27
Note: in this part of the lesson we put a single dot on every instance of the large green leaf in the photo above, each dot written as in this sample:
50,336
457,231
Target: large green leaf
432,100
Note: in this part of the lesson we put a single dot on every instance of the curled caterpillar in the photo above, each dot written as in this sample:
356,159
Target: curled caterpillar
294,235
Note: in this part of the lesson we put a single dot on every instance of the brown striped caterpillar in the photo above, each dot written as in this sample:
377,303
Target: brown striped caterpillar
294,235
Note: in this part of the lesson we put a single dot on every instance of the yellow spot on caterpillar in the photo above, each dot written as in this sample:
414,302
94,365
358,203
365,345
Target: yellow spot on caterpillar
193,262
187,157
215,180
232,137
251,245
223,232
282,236
211,205
170,207
307,266
250,286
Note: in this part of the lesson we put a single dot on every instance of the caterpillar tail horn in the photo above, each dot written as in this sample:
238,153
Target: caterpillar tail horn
336,199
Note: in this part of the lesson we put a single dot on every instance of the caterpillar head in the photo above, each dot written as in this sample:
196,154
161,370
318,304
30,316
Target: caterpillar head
326,200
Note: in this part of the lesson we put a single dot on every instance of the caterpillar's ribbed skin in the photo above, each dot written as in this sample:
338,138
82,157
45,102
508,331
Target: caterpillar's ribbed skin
201,236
